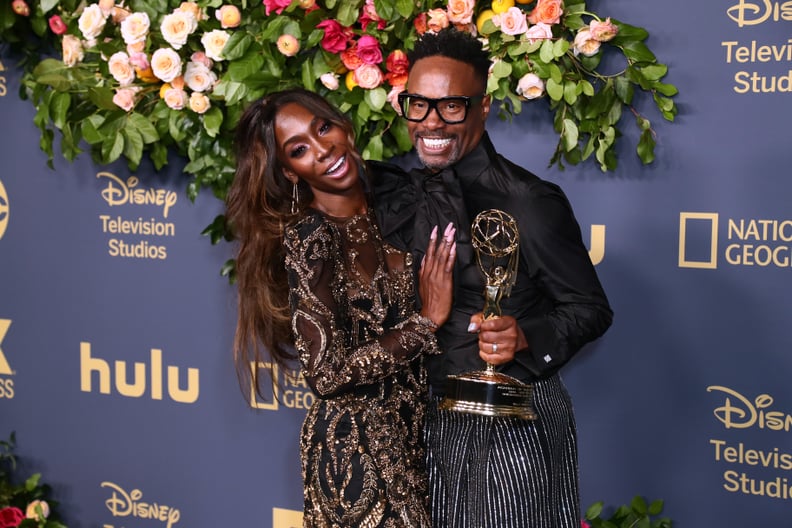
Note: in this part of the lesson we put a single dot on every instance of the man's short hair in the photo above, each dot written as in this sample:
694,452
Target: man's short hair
453,44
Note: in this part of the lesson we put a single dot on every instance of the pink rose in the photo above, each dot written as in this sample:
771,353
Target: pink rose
336,37
393,98
461,11
139,60
547,11
368,50
511,22
368,76
200,57
369,15
124,99
10,517
538,32
57,25
275,5
21,8
603,31
437,19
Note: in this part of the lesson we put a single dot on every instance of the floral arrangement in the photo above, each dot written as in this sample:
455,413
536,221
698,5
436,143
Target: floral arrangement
637,514
23,505
125,78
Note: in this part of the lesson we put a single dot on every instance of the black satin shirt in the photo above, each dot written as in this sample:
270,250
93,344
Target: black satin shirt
557,299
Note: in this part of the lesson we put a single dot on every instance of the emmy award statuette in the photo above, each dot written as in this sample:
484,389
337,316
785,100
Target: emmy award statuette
495,239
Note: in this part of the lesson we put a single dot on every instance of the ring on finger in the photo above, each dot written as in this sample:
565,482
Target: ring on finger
494,348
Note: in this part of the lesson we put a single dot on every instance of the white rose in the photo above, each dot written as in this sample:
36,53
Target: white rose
530,86
177,26
72,50
120,68
92,22
329,80
585,43
199,103
198,77
166,64
134,28
214,42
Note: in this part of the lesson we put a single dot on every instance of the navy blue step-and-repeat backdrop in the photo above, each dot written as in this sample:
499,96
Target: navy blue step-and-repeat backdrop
115,326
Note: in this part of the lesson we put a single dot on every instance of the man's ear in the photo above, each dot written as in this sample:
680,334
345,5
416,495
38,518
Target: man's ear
486,102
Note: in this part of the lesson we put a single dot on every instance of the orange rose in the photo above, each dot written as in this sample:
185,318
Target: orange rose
547,11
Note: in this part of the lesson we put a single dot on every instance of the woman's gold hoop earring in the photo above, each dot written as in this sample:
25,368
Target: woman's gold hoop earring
295,198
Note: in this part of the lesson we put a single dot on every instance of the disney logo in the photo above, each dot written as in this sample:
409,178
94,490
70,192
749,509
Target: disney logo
742,413
123,504
751,14
119,192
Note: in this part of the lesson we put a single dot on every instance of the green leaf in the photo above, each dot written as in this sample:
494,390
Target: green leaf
638,505
47,5
624,89
112,147
668,90
347,13
376,98
547,51
236,46
404,7
638,52
654,72
90,129
554,89
570,135
501,69
245,67
645,148
212,121
144,127
560,47
373,150
59,106
570,92
133,146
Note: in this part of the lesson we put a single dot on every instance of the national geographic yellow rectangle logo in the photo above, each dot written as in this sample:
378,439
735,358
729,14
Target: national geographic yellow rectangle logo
686,219
286,518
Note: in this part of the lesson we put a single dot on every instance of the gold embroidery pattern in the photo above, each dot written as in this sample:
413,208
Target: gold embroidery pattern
361,350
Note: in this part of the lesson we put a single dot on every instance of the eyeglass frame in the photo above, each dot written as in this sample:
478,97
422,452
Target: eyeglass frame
432,102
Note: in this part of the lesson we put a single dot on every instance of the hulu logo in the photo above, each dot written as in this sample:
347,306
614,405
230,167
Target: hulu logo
142,381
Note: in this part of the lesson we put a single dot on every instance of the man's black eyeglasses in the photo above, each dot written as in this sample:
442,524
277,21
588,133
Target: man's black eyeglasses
451,109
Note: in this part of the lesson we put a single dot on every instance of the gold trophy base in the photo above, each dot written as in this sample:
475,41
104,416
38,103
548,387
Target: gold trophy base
489,393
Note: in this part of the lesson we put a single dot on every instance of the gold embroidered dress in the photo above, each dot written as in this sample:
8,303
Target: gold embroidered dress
360,346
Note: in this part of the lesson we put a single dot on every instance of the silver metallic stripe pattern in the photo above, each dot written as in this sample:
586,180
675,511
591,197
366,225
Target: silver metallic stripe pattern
488,472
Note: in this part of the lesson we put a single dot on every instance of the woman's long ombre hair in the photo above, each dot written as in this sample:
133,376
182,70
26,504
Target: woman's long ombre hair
258,208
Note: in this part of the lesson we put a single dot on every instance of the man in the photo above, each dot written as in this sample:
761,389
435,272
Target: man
493,472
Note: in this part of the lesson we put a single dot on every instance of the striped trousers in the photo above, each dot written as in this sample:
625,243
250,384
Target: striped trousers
488,472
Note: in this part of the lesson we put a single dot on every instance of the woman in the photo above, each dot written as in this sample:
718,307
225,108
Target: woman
345,300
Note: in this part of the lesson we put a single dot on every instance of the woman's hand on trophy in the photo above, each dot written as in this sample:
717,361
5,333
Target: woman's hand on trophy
499,338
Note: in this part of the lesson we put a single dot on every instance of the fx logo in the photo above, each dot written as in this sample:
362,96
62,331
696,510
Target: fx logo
5,368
